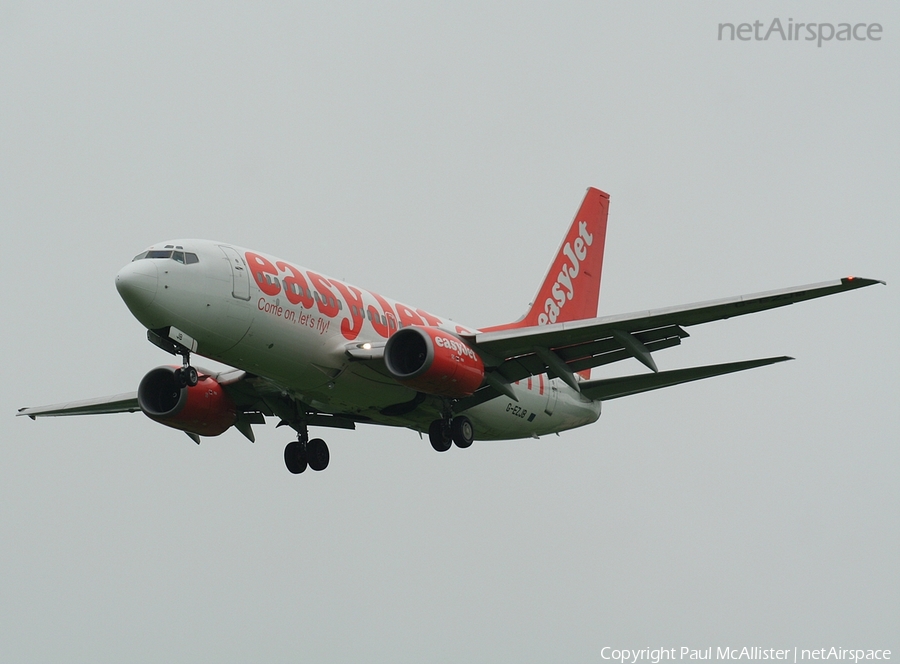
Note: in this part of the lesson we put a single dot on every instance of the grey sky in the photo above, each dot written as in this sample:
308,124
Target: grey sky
437,154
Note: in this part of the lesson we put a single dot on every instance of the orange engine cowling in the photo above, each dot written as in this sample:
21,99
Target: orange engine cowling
433,361
203,409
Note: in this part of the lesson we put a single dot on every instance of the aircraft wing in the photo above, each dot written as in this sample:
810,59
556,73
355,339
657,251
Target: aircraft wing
255,398
119,403
563,349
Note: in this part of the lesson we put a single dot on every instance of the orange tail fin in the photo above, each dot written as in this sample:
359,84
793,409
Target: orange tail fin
571,289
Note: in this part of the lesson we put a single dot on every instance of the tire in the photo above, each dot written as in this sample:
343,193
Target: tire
294,458
462,432
191,377
439,435
317,454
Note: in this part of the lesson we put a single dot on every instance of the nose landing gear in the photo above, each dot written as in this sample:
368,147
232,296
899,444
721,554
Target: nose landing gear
187,376
174,341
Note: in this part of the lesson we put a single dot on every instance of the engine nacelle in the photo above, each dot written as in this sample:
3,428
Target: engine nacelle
433,361
203,409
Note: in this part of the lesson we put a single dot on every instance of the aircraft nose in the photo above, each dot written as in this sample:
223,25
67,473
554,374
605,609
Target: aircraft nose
137,284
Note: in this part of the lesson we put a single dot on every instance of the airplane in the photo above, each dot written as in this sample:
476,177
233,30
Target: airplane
315,352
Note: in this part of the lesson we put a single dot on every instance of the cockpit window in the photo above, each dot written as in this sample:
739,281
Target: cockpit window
185,257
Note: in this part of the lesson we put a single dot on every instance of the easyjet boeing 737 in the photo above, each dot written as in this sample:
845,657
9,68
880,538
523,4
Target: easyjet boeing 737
314,351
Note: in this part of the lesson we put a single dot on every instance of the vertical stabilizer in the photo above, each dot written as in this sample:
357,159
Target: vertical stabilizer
571,289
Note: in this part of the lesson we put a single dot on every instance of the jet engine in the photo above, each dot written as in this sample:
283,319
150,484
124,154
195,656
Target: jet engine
203,409
433,361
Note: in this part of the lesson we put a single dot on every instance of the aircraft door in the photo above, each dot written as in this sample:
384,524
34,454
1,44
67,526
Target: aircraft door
391,322
239,273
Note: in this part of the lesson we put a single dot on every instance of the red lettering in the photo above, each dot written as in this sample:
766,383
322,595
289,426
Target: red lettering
351,327
325,302
431,320
379,320
407,316
295,287
259,268
269,308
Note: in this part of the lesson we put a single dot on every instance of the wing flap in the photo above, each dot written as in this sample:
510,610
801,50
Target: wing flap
613,388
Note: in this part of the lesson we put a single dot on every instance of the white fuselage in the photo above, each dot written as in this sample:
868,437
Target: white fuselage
294,326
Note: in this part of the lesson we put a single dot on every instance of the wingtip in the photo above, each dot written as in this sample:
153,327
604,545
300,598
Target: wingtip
775,360
859,282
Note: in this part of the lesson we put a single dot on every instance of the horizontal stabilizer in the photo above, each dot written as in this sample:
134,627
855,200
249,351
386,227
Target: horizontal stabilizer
613,388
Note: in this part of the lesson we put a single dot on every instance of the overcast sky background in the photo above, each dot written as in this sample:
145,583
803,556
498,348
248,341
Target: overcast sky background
437,154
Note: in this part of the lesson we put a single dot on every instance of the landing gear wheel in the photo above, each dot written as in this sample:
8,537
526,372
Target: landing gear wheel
295,457
439,435
187,376
317,454
461,431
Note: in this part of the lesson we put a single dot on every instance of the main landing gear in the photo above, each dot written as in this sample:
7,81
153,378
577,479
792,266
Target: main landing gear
304,452
443,433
